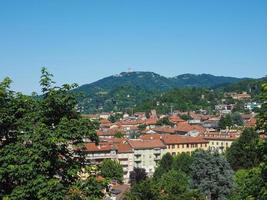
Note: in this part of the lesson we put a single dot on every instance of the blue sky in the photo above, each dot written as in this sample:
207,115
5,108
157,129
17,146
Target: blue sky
83,41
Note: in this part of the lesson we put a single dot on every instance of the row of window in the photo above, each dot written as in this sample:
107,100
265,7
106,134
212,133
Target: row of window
185,146
222,143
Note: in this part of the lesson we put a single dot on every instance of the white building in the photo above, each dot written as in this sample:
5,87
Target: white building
147,153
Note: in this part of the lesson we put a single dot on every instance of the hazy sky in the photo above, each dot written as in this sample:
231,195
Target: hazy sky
83,41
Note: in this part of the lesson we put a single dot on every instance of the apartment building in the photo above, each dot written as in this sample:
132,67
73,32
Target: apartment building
147,153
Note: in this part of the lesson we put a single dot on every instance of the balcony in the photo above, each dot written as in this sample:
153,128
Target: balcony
157,158
137,153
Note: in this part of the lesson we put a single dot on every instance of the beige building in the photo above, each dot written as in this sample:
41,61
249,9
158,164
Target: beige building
176,144
220,141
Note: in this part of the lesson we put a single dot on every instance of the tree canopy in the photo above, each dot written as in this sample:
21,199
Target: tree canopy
212,175
111,169
244,152
37,139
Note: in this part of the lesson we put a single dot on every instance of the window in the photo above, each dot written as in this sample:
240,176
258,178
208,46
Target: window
187,145
173,146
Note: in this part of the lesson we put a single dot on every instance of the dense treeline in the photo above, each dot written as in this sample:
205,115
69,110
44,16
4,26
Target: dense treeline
129,98
150,94
186,99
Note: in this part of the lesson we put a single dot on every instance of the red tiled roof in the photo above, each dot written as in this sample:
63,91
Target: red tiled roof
199,128
115,140
146,144
150,136
178,139
130,122
104,121
184,127
165,129
124,148
102,146
151,121
251,122
175,119
221,136
109,132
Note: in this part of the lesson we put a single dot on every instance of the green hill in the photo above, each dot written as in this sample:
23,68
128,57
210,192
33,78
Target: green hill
128,89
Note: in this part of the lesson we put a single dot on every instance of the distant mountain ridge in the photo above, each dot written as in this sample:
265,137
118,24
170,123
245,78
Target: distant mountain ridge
153,81
130,88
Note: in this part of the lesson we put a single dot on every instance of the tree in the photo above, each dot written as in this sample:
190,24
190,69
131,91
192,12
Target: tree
164,166
88,189
142,127
174,185
212,175
249,185
36,159
182,162
137,175
111,169
115,117
185,117
144,190
225,121
245,151
164,121
262,116
118,135
237,119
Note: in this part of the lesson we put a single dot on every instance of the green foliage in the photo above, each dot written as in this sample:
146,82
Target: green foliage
87,189
118,135
249,185
173,185
164,121
212,175
142,127
182,162
186,117
111,169
244,152
137,175
237,119
36,160
144,190
115,117
262,116
225,121
184,99
165,165
117,93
